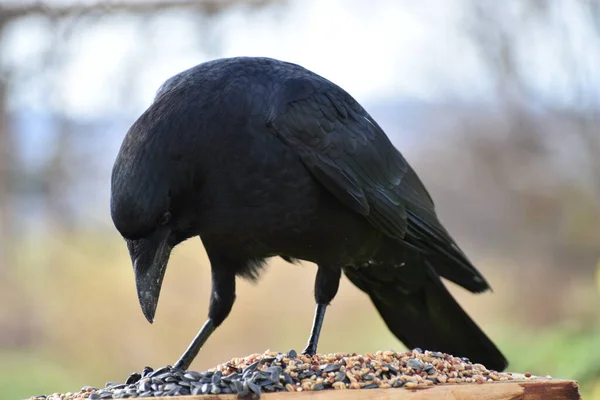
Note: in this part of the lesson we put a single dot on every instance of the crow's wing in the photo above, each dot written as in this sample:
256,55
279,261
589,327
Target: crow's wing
348,153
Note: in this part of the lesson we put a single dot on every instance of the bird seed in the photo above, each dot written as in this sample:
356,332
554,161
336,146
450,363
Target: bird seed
250,376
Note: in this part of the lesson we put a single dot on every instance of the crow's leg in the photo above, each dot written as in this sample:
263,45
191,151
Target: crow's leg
326,287
221,301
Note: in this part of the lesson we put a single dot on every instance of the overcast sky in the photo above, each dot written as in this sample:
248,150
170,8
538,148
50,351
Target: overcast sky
374,49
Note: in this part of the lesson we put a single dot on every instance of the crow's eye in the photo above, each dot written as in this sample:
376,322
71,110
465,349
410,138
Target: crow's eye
165,218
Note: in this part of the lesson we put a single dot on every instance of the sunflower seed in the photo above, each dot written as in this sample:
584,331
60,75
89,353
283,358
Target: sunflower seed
267,360
264,382
331,368
292,354
192,376
274,372
226,390
306,374
398,383
157,381
250,369
254,388
163,376
206,388
340,376
159,371
288,379
133,378
233,376
216,377
196,391
415,364
236,386
245,390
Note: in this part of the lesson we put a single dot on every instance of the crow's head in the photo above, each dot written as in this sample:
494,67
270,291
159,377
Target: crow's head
146,182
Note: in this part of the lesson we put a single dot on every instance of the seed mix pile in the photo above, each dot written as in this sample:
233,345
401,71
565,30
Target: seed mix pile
274,372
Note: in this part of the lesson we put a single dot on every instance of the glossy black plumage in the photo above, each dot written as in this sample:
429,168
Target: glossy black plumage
264,158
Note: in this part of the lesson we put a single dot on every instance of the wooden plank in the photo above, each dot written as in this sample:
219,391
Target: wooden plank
540,389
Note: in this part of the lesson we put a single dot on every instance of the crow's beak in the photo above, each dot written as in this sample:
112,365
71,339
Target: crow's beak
149,257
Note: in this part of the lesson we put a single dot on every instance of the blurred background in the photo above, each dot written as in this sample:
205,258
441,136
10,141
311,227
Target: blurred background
495,104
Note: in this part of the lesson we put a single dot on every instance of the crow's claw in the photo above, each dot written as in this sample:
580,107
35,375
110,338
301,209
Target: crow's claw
310,351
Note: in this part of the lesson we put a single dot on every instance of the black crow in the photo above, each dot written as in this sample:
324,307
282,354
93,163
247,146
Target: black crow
262,158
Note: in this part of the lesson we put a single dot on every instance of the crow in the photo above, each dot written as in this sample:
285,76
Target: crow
263,158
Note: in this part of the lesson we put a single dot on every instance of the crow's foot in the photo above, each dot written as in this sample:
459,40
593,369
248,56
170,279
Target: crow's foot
310,350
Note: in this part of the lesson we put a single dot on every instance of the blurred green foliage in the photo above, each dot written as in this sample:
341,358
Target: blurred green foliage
24,374
558,352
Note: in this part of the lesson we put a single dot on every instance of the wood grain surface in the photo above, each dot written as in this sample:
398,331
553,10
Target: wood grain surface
540,389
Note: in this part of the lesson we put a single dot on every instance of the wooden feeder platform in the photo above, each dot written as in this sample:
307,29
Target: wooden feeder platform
538,389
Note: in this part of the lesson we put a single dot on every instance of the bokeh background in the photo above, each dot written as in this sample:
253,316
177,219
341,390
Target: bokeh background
495,104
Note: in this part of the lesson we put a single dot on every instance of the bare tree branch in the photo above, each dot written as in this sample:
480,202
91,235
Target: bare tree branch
208,7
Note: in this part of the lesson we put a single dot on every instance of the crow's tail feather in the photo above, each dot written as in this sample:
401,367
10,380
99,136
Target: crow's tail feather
419,310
